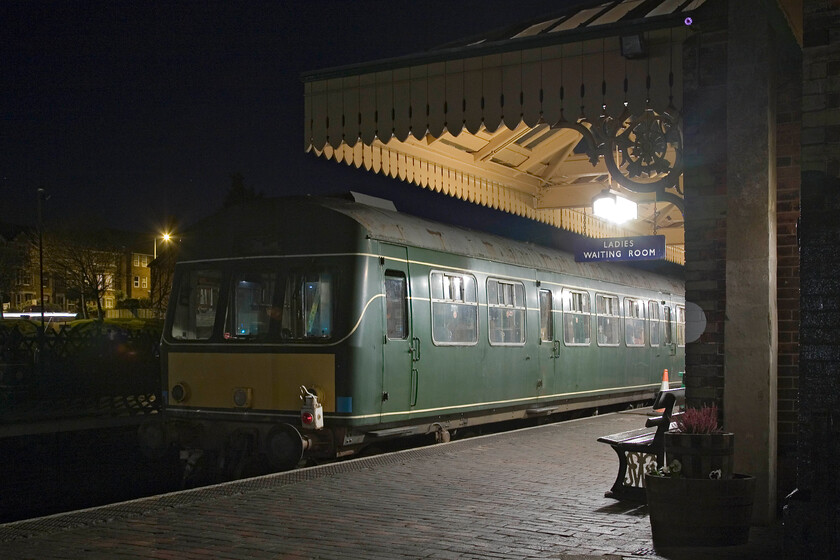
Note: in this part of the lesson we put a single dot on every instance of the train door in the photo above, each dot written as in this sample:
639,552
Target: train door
398,351
549,345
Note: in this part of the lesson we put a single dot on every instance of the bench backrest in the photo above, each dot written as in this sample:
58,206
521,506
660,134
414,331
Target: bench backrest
679,393
662,423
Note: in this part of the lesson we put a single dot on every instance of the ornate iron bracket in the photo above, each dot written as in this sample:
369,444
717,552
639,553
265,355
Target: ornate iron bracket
643,153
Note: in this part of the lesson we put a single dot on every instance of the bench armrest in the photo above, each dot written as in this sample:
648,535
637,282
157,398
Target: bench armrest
658,421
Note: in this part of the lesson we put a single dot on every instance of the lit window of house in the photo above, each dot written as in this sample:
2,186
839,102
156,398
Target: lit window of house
136,260
145,282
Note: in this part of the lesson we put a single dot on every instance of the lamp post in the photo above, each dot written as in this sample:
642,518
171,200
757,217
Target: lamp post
165,237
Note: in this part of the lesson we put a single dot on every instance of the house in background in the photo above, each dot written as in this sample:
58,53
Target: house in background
119,272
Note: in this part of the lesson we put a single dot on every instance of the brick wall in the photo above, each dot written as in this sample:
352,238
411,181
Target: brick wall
812,515
704,177
788,180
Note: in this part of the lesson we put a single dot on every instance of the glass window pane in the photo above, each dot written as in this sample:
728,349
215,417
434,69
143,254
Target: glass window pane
196,304
454,309
655,327
577,319
308,302
608,320
396,305
680,325
251,299
506,317
546,320
634,322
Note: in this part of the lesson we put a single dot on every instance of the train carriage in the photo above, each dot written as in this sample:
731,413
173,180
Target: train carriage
313,327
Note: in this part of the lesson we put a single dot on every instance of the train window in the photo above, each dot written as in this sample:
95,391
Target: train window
252,306
634,322
454,309
196,303
655,324
680,325
396,305
667,325
308,306
607,309
505,312
576,318
546,320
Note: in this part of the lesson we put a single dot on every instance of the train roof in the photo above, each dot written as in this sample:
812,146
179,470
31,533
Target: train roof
405,229
264,218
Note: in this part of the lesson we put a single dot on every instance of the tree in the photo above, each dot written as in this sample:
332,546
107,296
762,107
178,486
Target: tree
13,253
163,268
88,261
239,193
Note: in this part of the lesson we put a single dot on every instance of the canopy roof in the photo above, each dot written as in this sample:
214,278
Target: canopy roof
535,119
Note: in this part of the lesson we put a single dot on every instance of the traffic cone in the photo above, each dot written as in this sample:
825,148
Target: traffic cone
666,385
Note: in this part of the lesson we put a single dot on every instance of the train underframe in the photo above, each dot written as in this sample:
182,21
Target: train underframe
214,447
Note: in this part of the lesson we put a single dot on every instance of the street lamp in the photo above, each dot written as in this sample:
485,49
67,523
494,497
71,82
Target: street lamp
165,237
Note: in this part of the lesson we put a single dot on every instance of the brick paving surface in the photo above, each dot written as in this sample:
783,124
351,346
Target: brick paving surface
532,493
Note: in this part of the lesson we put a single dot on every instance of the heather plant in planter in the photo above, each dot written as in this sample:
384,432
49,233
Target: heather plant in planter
699,421
699,444
694,499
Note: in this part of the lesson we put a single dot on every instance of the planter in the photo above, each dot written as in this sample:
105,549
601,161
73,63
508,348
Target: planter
700,454
700,512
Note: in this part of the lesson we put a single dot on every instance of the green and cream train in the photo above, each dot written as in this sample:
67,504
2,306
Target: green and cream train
314,327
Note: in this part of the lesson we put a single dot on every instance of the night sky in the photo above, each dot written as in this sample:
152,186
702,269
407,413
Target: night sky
139,112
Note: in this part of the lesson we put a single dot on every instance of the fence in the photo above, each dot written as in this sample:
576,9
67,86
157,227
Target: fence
89,361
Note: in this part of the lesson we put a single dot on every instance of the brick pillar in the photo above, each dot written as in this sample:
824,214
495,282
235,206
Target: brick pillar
788,175
751,339
704,179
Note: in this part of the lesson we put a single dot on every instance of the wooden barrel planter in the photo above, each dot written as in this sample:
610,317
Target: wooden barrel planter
700,512
700,454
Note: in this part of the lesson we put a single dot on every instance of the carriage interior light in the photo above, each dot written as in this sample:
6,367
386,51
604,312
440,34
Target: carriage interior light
613,207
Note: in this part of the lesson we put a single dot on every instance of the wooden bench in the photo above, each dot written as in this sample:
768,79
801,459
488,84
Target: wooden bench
637,449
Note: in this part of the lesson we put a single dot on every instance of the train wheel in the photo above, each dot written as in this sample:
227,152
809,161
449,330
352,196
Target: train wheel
284,447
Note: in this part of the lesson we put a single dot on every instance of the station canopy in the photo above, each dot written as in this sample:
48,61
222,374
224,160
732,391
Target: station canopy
537,120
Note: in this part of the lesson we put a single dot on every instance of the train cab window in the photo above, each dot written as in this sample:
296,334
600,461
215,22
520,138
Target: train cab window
396,305
667,325
505,312
308,306
576,318
655,323
252,306
454,309
546,320
196,303
607,310
680,325
634,322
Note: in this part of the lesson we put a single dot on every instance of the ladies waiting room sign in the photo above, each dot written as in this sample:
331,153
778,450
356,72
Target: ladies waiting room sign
642,248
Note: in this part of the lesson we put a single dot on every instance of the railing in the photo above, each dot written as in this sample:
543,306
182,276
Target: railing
87,368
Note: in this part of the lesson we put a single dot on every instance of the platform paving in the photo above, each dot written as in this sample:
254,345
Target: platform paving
532,493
